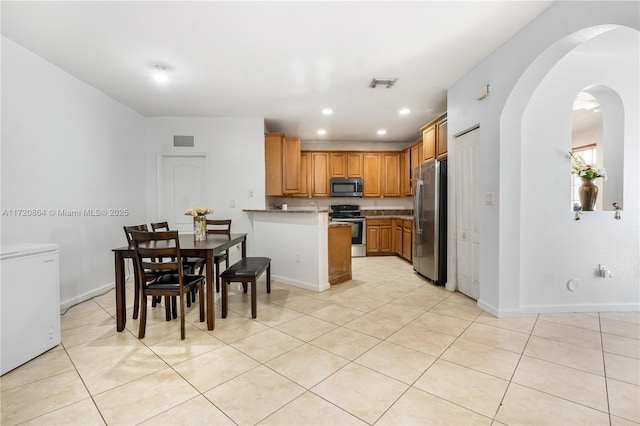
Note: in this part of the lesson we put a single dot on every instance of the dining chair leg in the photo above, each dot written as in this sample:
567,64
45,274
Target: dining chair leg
167,308
143,318
217,272
182,321
202,302
136,300
174,310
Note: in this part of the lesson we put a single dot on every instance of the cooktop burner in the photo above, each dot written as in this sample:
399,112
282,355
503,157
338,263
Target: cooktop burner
345,210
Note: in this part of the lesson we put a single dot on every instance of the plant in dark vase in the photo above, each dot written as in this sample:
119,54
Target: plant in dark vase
588,190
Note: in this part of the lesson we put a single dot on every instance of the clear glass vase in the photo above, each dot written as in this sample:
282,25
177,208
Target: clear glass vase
199,228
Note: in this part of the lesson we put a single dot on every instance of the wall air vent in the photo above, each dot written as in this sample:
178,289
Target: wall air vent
388,82
183,141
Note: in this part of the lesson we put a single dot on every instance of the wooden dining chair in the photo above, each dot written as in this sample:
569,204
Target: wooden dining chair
193,263
160,252
190,264
219,227
136,302
136,292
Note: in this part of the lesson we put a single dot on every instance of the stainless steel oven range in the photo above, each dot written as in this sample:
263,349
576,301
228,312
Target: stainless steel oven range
351,214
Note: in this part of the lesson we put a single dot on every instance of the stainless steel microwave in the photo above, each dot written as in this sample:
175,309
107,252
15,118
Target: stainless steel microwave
346,187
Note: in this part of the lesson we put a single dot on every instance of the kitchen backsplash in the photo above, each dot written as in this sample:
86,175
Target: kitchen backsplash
386,204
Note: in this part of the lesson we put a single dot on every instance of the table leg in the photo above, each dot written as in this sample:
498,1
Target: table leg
210,292
244,248
121,303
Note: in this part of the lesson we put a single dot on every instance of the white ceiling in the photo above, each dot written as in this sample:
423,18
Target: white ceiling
283,61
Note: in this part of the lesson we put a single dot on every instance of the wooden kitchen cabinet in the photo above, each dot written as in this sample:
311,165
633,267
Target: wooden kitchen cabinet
273,163
339,253
354,164
372,163
338,164
429,142
405,170
379,240
441,138
407,240
397,234
305,172
345,164
320,174
290,165
434,138
390,175
381,174
282,164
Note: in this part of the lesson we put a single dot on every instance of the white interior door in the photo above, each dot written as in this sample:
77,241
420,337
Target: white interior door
467,205
182,186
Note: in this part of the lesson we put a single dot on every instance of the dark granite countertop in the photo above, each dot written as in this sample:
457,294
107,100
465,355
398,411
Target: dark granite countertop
304,210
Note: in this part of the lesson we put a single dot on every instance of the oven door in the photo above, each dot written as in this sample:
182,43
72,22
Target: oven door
358,229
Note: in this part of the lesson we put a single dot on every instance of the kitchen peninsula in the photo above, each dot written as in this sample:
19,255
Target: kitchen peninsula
297,243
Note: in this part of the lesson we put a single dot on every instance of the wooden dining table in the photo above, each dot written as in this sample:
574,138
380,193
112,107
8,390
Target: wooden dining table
207,249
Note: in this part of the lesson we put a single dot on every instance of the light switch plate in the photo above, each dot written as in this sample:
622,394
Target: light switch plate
489,198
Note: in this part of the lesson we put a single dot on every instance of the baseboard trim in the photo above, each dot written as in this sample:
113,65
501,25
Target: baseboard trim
552,309
301,284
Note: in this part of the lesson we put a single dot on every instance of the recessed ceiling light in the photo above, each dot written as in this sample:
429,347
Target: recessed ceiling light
322,132
160,75
404,111
382,132
327,111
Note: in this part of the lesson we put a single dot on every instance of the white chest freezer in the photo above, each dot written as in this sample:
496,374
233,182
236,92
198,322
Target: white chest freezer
29,302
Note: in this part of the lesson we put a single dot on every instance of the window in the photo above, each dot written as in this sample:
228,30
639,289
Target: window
588,154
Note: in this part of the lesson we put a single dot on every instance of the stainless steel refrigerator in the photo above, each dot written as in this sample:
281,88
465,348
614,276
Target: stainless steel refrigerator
430,220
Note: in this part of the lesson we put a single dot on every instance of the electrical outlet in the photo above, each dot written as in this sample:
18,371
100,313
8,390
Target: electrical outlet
250,192
232,203
298,258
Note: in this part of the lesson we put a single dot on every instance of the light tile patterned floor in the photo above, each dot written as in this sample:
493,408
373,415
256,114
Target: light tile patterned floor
387,348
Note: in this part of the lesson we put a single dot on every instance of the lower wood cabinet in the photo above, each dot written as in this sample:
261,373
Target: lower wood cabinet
379,237
339,254
397,236
407,239
401,238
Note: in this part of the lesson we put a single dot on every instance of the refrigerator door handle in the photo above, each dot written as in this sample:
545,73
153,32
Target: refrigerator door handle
418,206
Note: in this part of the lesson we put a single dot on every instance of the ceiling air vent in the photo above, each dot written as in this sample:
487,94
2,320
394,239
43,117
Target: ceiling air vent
382,82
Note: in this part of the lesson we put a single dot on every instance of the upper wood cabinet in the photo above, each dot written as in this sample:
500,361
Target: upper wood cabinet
291,165
441,137
282,164
320,174
345,164
434,138
305,172
381,174
372,163
338,164
405,172
273,163
354,164
429,143
390,176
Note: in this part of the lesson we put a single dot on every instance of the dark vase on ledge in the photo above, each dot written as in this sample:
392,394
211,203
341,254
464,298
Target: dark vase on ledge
588,192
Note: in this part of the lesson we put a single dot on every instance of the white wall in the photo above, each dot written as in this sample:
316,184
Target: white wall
578,246
65,145
235,154
297,244
514,71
